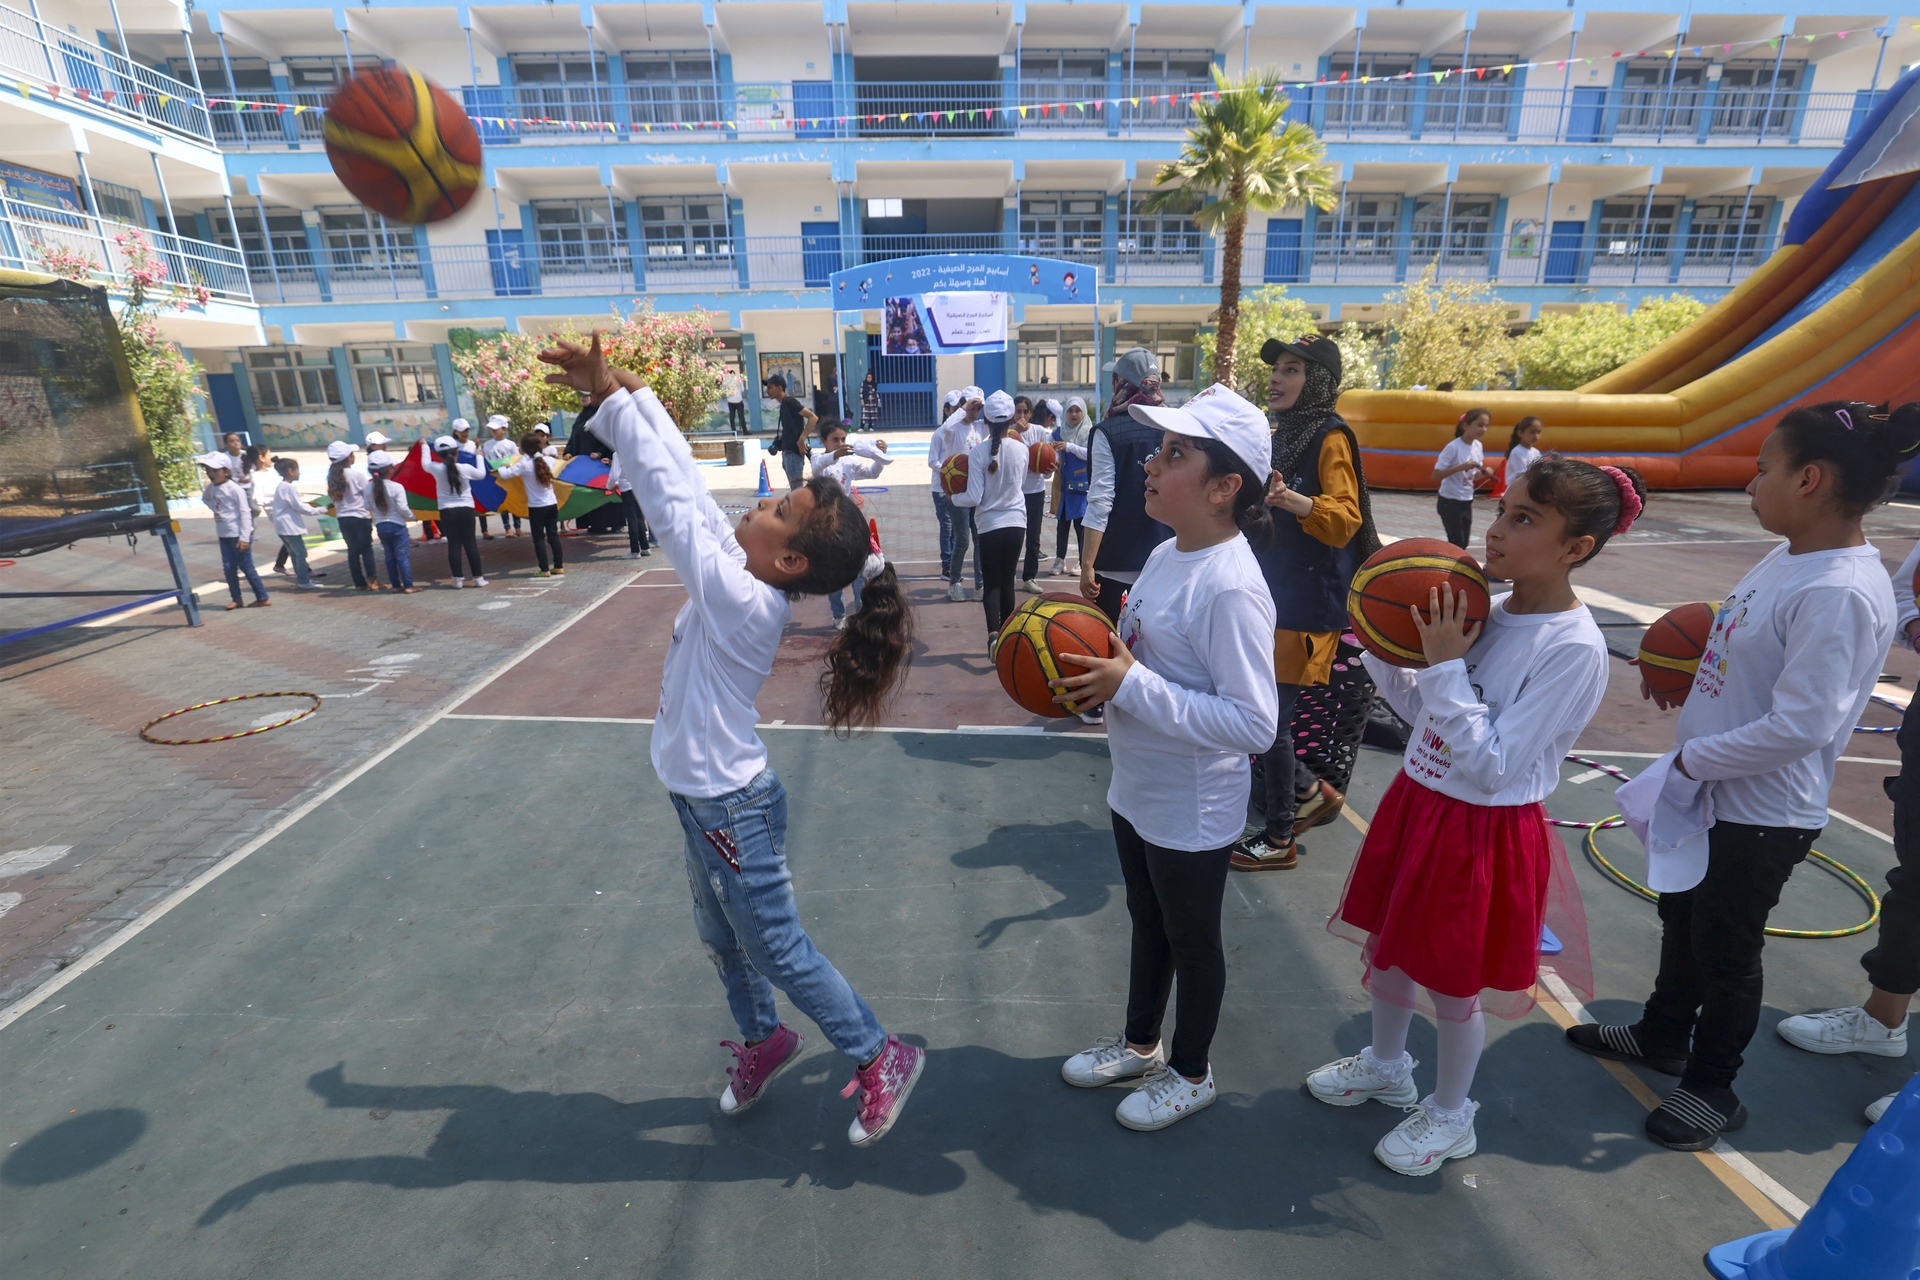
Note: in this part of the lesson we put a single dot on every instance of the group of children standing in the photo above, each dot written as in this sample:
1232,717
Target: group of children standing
1461,468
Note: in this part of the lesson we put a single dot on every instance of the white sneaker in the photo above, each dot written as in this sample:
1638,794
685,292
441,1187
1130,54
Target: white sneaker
631,555
1109,1060
459,582
840,624
1163,1098
1851,1030
1352,1081
479,582
1878,1109
1032,588
956,592
1423,1142
1059,567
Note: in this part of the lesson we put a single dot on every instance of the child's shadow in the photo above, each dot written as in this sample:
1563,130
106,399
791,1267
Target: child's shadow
1073,859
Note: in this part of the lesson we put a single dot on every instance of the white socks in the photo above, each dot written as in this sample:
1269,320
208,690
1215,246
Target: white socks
1392,1069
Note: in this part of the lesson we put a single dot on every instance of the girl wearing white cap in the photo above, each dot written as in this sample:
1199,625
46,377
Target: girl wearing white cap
388,503
494,454
543,505
233,525
453,490
995,497
957,434
1190,694
1042,418
347,495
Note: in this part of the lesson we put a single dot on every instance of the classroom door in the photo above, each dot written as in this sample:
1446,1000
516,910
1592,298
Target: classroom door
1563,252
1283,251
505,250
819,252
229,414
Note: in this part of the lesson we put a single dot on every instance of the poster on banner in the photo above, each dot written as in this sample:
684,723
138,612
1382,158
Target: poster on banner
902,333
967,323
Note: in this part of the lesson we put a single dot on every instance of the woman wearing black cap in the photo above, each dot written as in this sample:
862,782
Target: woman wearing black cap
1317,481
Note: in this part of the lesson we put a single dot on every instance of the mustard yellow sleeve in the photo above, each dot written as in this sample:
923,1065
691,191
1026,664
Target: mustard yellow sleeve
1335,517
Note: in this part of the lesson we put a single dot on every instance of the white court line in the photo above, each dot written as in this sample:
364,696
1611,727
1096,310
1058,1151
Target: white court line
967,730
27,1003
1655,755
1789,1203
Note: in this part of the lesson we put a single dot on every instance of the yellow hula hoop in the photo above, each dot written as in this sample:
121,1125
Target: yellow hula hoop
1839,869
227,737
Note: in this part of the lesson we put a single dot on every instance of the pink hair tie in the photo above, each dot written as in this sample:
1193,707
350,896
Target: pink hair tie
1630,504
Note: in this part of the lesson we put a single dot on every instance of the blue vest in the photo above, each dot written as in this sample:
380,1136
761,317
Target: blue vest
1131,535
1307,578
1075,473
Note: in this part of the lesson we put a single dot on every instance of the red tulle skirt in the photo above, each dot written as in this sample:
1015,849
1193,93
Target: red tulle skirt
1459,897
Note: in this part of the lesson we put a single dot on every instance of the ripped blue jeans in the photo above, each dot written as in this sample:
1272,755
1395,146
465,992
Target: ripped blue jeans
744,908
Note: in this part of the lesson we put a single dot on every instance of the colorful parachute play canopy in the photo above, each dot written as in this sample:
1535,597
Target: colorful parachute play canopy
1829,316
581,486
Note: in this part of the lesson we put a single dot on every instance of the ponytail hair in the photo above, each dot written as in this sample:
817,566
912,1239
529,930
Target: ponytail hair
530,445
451,461
337,480
1250,513
997,431
1864,443
1597,502
380,490
1460,427
868,659
1519,428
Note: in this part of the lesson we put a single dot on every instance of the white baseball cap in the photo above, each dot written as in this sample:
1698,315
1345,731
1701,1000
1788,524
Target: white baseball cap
1000,407
339,451
951,399
1218,413
375,439
461,424
444,443
216,461
379,458
1053,407
499,422
974,393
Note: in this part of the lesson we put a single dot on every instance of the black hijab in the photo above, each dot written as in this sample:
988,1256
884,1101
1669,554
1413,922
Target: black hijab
1295,428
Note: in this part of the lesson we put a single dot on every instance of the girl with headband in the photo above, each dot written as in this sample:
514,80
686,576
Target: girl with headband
1459,873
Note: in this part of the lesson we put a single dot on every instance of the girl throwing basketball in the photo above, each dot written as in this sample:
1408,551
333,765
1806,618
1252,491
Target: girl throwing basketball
1459,871
1192,695
740,583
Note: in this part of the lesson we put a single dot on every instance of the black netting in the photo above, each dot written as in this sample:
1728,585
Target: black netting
74,459
1329,719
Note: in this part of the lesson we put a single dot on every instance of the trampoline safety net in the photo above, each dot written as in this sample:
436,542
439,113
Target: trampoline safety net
74,457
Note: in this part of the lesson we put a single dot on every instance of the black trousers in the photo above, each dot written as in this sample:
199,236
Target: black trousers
1113,594
1060,539
1277,767
357,533
636,522
1710,981
997,554
1456,517
457,525
736,415
1036,520
1174,899
543,525
1893,964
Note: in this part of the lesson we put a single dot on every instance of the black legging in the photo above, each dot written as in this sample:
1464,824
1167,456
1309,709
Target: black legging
998,555
1174,899
1456,517
457,525
543,526
1036,517
1113,594
1060,539
636,522
357,533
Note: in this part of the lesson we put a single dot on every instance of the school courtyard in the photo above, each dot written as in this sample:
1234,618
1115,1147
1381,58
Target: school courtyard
409,987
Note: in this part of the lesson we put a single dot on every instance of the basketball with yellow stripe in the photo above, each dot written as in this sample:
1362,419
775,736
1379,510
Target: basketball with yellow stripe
1032,640
953,474
402,146
1400,576
1670,651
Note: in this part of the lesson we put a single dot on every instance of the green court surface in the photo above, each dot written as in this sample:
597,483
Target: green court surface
447,1025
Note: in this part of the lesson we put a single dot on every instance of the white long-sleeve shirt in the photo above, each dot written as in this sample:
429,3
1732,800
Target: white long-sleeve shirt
232,511
494,450
444,496
397,512
1793,656
955,435
1492,728
352,501
865,462
1905,610
289,511
1035,482
996,497
1199,699
724,637
538,495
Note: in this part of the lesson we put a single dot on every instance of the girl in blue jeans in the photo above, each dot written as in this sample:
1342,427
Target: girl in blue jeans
740,583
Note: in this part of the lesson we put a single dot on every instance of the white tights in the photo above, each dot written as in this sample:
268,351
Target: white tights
1462,1027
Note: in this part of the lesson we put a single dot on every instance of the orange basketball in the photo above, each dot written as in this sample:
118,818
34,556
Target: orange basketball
1032,640
1670,651
1042,459
953,474
402,146
1400,576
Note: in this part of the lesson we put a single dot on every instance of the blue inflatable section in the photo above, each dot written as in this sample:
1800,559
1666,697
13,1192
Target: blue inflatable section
1892,232
1818,204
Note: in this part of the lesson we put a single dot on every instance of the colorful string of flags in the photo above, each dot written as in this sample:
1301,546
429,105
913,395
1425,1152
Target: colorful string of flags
1044,110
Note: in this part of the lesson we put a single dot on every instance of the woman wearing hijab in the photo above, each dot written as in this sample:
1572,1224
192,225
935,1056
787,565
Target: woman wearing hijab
1323,529
1070,482
869,403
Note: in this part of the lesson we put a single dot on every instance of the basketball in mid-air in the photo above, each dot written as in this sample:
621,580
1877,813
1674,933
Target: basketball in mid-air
1402,575
1670,651
1042,459
402,146
1032,640
953,474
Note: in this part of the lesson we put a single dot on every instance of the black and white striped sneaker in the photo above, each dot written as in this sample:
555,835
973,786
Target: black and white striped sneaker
1620,1044
1686,1121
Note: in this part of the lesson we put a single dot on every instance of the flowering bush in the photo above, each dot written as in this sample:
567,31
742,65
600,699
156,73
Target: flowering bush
504,372
669,352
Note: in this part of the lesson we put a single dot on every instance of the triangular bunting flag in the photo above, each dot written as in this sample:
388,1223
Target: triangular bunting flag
26,90
53,91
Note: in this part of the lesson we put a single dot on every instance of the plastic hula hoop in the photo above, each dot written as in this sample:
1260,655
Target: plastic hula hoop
1627,882
226,737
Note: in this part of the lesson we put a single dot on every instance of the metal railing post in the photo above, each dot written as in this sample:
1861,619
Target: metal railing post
1772,86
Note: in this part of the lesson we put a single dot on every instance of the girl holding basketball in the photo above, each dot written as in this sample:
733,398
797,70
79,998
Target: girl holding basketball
1459,872
741,583
1460,465
1191,694
996,479
1791,661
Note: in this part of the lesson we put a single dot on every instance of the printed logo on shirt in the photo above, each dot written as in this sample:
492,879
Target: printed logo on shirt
1711,679
1430,759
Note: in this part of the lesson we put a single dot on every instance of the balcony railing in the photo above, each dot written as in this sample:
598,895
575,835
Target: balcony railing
1410,111
33,236
95,79
1332,255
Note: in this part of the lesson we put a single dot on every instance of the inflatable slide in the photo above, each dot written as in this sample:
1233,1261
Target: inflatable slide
1829,316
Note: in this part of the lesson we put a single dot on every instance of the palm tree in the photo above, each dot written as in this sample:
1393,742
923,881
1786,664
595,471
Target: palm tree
1242,150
